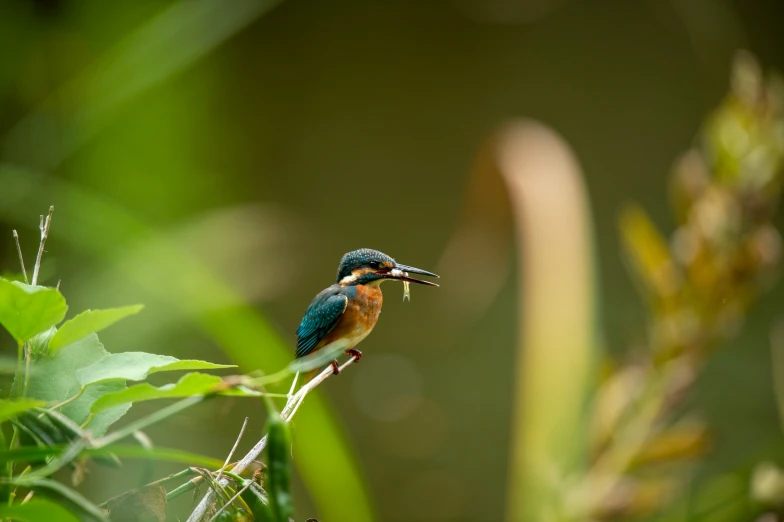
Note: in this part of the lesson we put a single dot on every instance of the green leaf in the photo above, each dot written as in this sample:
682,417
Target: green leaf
10,409
67,427
258,505
41,453
55,381
40,429
136,366
86,509
68,455
189,385
36,510
87,322
26,310
158,453
279,468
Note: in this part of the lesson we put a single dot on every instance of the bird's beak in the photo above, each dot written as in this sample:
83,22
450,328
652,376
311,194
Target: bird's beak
400,273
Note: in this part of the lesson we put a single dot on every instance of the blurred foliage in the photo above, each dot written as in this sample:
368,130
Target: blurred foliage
699,286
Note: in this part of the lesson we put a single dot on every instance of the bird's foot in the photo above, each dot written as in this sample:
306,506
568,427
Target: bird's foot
335,368
353,352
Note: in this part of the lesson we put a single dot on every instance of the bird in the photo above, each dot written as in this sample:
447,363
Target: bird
343,314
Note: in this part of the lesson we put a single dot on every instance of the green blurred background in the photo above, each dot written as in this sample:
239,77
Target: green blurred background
265,141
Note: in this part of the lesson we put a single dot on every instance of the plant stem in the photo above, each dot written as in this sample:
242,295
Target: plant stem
44,226
21,259
150,419
235,477
188,486
26,378
19,364
71,399
183,473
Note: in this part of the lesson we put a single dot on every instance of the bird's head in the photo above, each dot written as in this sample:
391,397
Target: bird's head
366,266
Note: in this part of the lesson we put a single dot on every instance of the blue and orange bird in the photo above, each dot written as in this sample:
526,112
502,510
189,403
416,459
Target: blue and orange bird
341,316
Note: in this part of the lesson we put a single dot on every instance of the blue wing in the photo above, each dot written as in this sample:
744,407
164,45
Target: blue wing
322,316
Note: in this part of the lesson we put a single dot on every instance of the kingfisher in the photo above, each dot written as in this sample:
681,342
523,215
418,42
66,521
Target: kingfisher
342,315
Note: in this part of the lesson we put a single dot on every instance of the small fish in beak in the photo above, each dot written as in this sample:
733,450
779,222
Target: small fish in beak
400,274
396,272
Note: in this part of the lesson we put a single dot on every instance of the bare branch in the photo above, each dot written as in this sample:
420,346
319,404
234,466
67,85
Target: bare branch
233,449
21,259
44,226
292,404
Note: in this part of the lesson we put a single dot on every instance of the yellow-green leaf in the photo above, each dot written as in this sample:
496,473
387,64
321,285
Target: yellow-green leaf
36,510
648,253
136,366
87,322
189,385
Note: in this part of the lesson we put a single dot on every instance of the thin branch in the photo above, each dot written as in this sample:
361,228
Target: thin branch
180,474
21,259
44,226
288,412
233,449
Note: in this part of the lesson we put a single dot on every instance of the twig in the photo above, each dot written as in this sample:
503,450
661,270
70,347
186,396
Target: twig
233,449
180,474
232,499
21,259
288,412
293,386
44,226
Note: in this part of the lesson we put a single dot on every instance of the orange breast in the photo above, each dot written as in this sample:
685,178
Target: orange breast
360,317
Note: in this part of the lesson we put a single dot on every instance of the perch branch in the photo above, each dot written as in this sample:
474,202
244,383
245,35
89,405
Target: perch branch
288,412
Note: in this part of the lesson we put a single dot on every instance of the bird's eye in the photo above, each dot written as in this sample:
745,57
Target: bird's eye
375,265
